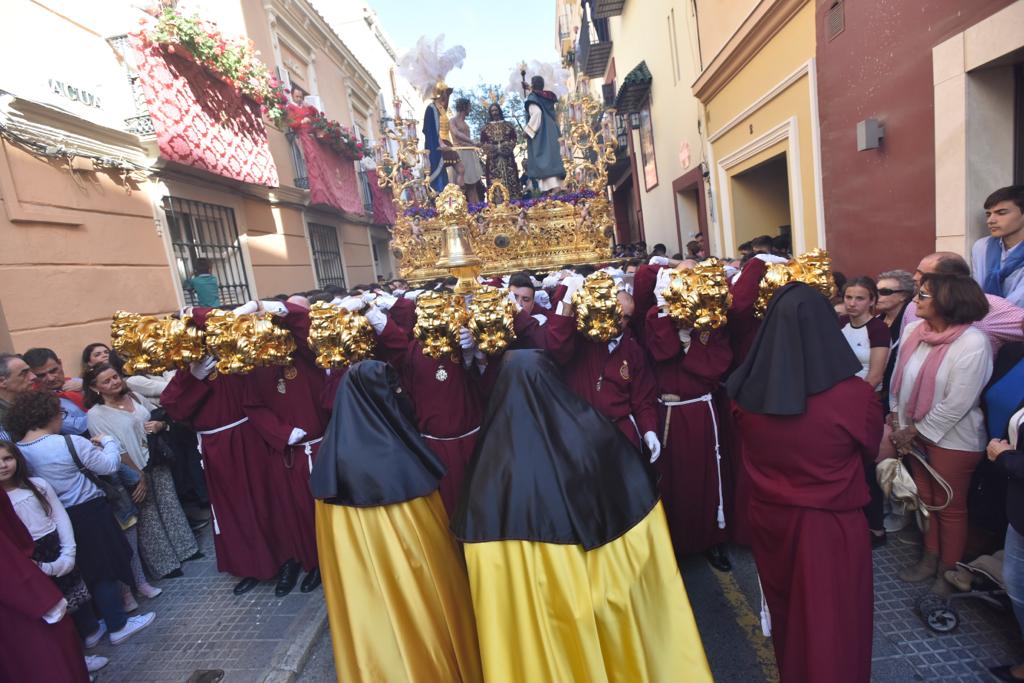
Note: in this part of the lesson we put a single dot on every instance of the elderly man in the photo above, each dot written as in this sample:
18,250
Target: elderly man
15,378
1004,322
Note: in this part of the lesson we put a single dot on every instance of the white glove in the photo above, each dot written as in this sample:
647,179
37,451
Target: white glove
659,261
385,301
275,307
542,299
660,285
296,436
551,281
368,298
512,298
465,339
378,321
651,439
201,369
412,294
246,308
572,285
353,304
771,258
504,280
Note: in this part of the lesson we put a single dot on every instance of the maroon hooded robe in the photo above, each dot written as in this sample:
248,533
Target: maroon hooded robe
693,481
236,462
33,649
447,399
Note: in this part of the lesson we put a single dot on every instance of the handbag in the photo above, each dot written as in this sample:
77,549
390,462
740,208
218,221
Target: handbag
897,484
161,448
117,496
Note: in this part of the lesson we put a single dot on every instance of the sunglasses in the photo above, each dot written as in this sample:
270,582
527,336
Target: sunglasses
921,296
885,291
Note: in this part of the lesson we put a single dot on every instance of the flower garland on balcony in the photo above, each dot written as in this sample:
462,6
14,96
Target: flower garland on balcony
327,131
234,61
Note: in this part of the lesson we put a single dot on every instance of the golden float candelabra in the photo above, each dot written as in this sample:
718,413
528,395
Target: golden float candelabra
490,320
438,319
598,311
813,268
699,298
339,337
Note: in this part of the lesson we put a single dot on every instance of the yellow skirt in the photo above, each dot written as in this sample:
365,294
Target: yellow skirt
397,598
556,613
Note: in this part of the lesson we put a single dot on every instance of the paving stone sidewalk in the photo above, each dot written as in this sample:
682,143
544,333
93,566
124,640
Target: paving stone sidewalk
202,625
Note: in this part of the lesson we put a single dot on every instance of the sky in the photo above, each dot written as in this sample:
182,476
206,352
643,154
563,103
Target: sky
496,35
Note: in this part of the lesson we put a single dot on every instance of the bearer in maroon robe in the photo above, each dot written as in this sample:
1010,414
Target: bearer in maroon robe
445,394
235,460
283,404
40,641
696,480
614,377
808,424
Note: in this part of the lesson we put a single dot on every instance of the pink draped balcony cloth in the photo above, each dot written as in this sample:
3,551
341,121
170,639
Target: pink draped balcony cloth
202,122
332,177
384,212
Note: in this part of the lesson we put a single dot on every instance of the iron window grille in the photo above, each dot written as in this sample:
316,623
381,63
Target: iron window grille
207,231
298,162
323,240
365,192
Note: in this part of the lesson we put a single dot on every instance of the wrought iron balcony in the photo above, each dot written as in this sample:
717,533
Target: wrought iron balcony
595,48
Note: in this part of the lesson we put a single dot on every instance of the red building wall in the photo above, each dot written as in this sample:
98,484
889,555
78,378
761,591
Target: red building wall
880,203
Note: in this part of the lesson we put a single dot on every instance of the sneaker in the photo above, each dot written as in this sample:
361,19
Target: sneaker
94,662
129,602
149,591
133,626
93,640
894,522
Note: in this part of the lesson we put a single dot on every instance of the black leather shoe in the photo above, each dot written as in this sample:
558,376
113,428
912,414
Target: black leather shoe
718,558
311,581
1003,673
245,585
287,578
878,540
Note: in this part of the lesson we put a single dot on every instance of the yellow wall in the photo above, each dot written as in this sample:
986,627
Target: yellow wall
642,33
783,55
718,20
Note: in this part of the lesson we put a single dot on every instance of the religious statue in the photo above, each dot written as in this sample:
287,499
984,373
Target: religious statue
468,172
498,142
437,134
543,151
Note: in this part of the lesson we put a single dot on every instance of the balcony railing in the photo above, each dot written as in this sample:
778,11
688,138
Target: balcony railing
298,162
595,48
364,190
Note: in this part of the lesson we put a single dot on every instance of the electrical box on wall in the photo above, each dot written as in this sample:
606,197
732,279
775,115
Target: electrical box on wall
869,134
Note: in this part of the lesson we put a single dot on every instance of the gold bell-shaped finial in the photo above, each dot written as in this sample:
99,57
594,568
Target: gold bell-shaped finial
457,255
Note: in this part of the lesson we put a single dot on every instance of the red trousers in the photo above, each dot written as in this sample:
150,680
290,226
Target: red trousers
947,530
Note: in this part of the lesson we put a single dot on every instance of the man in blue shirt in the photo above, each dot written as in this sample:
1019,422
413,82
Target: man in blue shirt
998,260
204,284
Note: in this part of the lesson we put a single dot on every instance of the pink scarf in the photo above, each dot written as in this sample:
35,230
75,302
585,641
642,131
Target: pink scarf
923,393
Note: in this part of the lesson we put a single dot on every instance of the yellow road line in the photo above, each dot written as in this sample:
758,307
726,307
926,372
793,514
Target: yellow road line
750,623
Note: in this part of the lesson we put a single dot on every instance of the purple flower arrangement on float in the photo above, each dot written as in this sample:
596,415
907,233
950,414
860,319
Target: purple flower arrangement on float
572,198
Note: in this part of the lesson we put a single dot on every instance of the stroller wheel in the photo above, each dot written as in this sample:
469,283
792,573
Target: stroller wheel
936,613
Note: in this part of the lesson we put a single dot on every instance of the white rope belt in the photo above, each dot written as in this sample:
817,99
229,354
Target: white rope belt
207,432
308,448
199,440
670,401
450,438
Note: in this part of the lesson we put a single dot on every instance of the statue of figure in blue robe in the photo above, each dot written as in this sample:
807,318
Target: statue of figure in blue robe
543,151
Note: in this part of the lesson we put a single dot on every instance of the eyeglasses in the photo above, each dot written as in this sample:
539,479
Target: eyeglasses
922,296
885,291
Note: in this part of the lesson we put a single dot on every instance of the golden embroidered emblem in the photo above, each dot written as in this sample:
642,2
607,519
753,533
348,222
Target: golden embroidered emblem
705,337
290,372
624,371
